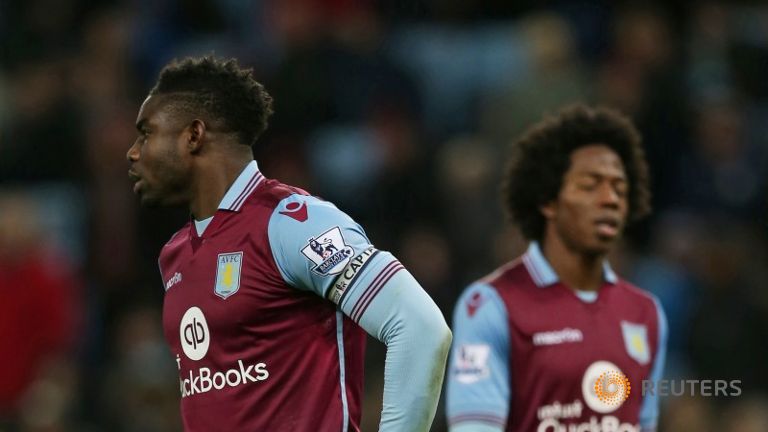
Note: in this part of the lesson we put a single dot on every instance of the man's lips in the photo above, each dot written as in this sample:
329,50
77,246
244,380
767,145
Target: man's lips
607,227
136,179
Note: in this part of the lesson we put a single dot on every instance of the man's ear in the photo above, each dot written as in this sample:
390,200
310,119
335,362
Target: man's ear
549,210
196,136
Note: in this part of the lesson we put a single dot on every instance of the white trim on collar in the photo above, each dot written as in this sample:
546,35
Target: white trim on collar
243,186
544,275
538,266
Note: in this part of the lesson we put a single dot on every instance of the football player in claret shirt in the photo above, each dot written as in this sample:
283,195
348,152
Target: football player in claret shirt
268,290
555,340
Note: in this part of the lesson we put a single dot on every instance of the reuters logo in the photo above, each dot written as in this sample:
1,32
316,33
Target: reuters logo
612,387
604,387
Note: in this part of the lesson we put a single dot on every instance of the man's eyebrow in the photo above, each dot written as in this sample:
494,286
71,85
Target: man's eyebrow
599,175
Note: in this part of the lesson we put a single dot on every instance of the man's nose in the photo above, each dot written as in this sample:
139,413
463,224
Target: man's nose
133,153
608,195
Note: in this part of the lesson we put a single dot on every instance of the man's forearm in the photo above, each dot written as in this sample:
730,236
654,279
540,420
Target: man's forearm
418,340
413,374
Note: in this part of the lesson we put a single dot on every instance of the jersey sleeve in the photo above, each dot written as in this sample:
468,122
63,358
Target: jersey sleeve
391,306
313,243
319,248
649,410
478,374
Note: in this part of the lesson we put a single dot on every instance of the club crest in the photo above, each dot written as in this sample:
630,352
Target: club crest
328,252
228,268
636,341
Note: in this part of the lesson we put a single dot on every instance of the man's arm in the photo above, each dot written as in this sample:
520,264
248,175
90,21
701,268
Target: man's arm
374,290
408,322
478,392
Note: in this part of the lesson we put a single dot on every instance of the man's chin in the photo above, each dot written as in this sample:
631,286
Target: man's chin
603,245
154,201
150,201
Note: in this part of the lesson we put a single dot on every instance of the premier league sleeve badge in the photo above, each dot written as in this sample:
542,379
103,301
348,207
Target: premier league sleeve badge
328,251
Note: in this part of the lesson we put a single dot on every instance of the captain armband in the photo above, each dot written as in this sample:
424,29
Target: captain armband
350,275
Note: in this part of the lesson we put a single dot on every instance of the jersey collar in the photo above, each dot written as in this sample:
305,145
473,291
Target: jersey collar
544,275
241,189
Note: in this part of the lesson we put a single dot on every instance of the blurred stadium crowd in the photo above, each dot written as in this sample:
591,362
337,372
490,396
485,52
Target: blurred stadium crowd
402,114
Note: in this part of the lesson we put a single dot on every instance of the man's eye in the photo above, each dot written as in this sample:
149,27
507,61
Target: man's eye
621,189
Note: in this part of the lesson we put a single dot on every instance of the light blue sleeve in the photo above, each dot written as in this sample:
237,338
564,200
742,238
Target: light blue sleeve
403,316
478,390
649,411
329,254
312,242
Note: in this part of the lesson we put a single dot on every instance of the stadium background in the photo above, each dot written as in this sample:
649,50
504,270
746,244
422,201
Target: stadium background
401,113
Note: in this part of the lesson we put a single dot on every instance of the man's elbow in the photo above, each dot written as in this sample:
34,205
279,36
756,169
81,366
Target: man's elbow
446,338
439,333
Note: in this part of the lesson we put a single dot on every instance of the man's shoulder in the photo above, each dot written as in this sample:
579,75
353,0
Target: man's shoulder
510,278
634,295
275,199
270,194
177,239
285,207
504,285
174,247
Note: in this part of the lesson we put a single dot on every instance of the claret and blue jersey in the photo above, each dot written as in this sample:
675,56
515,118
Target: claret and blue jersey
258,344
528,352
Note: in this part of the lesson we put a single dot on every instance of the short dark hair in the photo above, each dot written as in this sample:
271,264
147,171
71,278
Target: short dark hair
542,155
221,89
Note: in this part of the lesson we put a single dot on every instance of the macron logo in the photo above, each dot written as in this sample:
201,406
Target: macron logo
173,281
296,211
558,337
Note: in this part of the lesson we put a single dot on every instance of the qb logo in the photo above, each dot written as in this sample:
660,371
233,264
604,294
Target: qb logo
194,334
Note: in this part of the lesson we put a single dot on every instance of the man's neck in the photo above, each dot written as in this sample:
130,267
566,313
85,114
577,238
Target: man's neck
576,270
209,188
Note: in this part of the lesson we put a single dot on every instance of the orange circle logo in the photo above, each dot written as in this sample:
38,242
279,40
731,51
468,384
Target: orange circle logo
612,387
